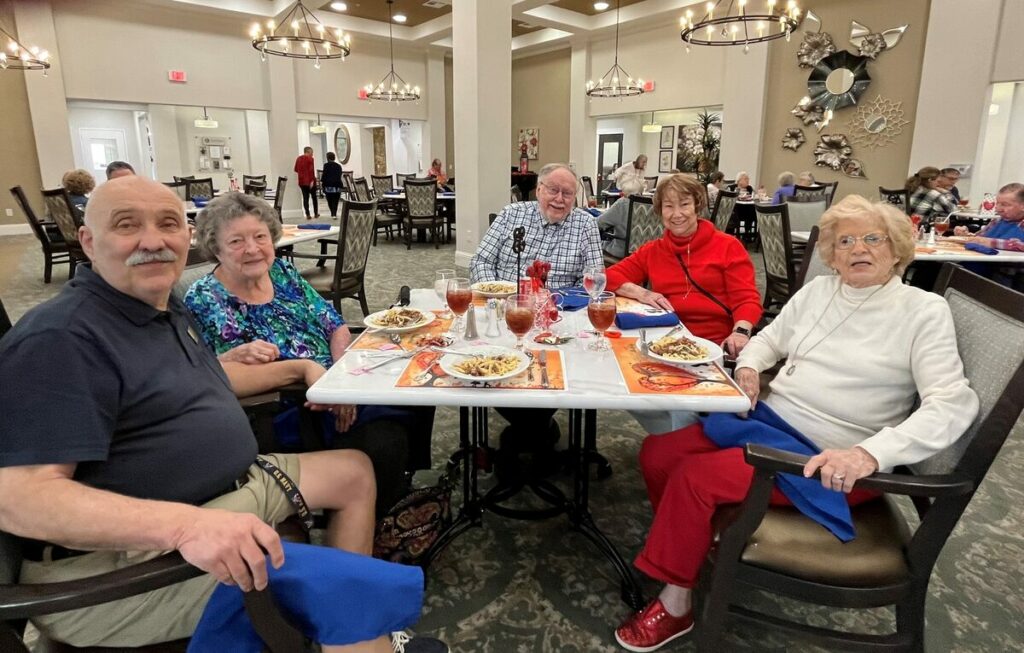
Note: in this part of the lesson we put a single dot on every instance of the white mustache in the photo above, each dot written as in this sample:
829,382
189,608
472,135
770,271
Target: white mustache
141,256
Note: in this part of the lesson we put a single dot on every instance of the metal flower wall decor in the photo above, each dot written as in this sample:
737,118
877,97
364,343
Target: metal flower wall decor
832,151
876,123
793,139
853,168
871,44
814,47
808,113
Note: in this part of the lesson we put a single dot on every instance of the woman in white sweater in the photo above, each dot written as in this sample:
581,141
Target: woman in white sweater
860,348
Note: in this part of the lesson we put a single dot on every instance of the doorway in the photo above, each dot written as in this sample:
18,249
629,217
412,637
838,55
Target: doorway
609,156
101,146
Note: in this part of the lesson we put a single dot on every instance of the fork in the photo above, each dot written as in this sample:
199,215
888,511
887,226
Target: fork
407,354
643,342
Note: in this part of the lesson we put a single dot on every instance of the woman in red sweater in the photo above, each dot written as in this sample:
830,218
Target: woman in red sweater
703,275
306,169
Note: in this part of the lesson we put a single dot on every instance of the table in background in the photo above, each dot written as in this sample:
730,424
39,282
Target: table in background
291,235
593,381
946,249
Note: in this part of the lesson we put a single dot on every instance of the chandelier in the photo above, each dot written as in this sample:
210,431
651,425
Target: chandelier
392,88
300,36
611,83
15,56
740,27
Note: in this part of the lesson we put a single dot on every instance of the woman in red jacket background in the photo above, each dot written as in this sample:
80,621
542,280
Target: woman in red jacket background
305,166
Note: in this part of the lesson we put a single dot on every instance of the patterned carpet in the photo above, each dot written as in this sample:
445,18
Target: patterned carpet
539,587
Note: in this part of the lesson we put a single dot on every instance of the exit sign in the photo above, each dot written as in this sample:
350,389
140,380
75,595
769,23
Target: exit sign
177,76
649,86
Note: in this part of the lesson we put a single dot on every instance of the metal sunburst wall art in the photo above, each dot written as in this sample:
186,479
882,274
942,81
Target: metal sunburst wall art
793,139
876,123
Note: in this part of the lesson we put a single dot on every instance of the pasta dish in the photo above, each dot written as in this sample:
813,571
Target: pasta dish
495,287
398,317
682,349
498,365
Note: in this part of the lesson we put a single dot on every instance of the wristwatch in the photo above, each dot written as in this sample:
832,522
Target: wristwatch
744,330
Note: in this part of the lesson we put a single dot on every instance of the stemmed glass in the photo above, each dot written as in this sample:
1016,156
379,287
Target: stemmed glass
601,311
459,296
441,278
519,316
940,225
594,280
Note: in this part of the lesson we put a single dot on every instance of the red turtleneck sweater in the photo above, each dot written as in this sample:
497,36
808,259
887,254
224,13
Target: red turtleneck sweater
717,262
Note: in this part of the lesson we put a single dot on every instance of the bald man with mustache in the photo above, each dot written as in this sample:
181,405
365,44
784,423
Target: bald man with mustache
122,437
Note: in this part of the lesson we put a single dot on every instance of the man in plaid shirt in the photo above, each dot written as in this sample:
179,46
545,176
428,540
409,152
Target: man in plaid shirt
556,233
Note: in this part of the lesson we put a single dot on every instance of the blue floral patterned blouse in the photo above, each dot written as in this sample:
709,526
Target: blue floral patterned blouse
298,320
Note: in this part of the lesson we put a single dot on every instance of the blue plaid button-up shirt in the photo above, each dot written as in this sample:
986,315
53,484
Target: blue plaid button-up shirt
570,246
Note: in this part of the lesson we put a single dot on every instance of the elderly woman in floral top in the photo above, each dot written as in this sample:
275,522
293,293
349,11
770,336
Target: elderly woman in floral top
254,308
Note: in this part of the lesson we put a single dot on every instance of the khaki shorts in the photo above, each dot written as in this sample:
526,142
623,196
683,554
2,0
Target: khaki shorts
165,614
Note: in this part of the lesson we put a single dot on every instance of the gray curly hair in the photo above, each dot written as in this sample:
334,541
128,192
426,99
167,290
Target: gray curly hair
226,208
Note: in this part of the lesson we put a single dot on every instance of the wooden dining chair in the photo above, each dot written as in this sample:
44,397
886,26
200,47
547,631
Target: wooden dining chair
254,179
185,178
179,189
889,565
725,206
255,189
642,223
62,211
282,183
199,188
588,190
347,184
809,193
898,197
650,184
345,277
777,250
421,210
830,191
401,178
811,266
55,248
362,189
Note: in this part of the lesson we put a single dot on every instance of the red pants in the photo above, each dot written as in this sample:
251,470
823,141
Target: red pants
687,478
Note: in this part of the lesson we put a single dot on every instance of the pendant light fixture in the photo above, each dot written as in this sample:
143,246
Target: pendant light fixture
15,56
300,36
616,82
392,88
651,127
723,26
205,122
317,128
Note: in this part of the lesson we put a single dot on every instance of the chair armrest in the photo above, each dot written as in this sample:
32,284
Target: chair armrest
936,485
30,600
313,256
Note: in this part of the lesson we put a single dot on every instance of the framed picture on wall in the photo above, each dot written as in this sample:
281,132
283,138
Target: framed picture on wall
665,160
666,137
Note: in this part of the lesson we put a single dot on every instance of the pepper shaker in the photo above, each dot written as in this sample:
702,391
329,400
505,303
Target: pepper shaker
493,330
470,333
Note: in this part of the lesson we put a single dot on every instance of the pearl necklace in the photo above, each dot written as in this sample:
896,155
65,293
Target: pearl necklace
796,350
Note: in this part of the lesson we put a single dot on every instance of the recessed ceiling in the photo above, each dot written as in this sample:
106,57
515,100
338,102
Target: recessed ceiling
415,10
519,28
587,6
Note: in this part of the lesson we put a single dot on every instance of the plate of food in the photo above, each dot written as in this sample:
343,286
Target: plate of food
485,363
495,288
688,350
397,320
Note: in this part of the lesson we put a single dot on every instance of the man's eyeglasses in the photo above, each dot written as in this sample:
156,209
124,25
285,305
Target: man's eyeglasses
871,240
555,192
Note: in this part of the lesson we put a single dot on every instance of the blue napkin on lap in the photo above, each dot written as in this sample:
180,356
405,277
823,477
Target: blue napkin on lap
978,247
763,426
315,225
332,596
627,321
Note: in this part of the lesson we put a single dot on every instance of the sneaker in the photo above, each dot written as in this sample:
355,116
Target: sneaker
403,642
652,628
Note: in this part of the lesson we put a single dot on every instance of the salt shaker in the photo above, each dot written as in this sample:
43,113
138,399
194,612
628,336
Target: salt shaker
493,330
470,333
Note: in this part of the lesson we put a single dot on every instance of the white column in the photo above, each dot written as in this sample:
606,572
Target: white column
434,131
482,108
283,127
46,99
582,128
743,104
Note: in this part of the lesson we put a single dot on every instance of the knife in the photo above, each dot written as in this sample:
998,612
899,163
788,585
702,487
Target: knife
544,367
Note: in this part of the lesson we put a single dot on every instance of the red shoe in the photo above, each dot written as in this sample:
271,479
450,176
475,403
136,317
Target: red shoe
652,628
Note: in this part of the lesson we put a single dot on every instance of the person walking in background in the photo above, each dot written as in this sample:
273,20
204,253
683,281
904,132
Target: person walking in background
305,167
630,177
331,179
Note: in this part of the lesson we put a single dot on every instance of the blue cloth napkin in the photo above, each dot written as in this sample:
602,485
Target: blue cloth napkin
315,225
332,596
594,212
573,298
978,247
763,426
446,194
627,321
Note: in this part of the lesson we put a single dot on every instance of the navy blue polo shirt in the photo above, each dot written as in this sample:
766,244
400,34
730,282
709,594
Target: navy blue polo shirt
129,393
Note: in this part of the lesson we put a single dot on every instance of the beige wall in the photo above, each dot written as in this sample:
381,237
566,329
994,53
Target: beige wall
895,75
19,165
449,123
540,98
1009,61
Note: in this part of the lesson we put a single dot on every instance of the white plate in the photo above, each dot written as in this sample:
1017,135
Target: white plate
448,362
714,352
513,289
371,321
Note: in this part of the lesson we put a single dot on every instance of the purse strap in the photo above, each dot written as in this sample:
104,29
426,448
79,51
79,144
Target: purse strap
701,289
290,489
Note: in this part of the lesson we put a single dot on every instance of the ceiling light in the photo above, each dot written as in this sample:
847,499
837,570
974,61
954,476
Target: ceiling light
317,128
339,6
20,57
651,127
400,18
600,6
205,122
392,88
616,82
300,35
741,26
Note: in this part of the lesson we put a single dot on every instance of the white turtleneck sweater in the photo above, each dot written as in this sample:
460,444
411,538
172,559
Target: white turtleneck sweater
857,386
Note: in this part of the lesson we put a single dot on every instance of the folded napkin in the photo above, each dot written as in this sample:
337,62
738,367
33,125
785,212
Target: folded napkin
332,596
763,426
315,225
573,298
978,247
594,212
629,320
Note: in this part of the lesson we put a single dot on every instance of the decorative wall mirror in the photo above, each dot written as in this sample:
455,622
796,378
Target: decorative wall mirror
342,144
838,80
875,124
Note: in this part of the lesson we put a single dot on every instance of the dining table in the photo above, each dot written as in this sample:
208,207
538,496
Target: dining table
290,235
568,375
946,249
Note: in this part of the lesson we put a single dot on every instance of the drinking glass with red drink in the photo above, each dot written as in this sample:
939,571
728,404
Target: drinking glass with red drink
940,225
519,316
601,311
459,296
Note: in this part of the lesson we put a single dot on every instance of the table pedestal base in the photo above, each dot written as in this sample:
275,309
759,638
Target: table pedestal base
582,451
